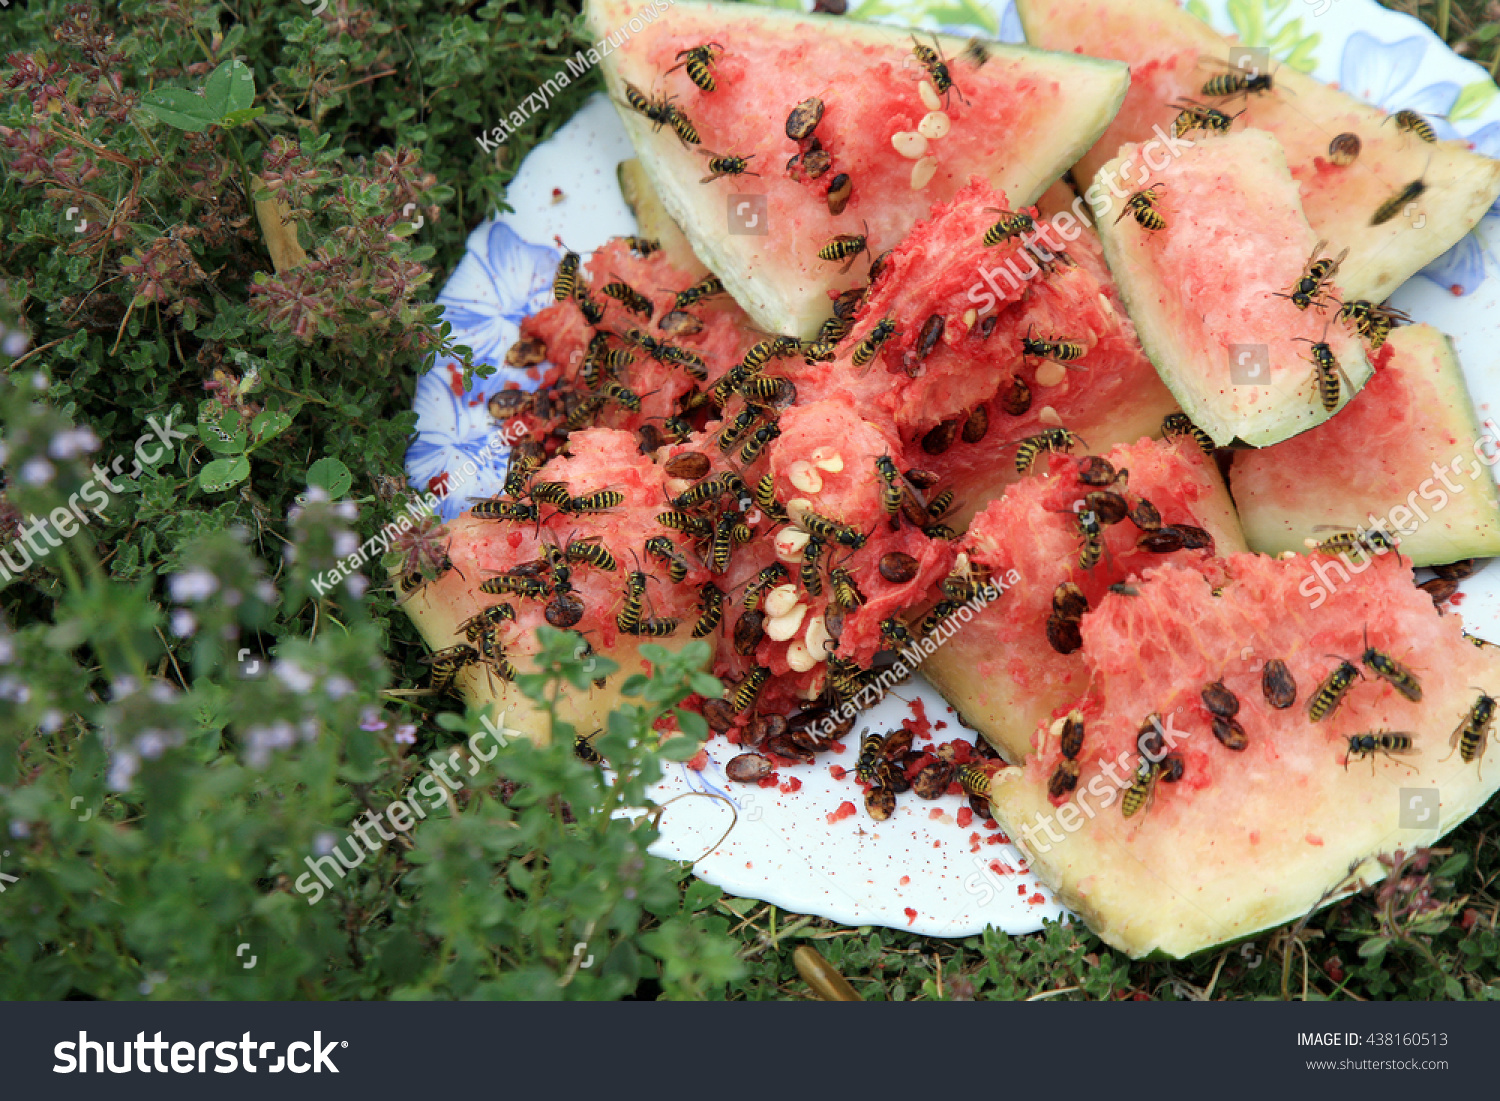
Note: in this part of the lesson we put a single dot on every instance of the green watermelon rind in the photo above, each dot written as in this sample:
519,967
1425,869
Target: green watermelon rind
761,296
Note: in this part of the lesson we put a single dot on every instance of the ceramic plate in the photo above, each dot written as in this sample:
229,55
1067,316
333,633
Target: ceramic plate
921,870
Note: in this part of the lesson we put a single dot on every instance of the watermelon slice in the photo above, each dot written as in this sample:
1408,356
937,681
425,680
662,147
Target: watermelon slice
1172,55
963,398
1003,671
1203,288
1247,839
1049,108
1406,454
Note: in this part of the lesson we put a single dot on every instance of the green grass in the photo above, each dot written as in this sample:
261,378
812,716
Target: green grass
174,307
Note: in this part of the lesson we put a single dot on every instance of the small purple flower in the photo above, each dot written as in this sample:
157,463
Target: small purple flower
406,734
371,719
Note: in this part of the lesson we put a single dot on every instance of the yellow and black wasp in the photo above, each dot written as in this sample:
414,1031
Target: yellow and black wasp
669,354
761,582
895,633
1198,116
712,598
1180,424
599,501
1091,536
707,287
769,388
487,618
809,573
721,544
518,511
599,359
556,494
1142,790
759,439
711,489
891,489
515,584
699,62
659,546
622,396
733,432
846,595
1325,701
765,497
592,312
846,245
1391,671
1064,352
1399,202
937,69
1371,542
822,527
1239,81
1053,439
695,526
1411,122
870,346
1372,322
720,166
565,282
749,689
1379,741
1308,289
1326,374
1142,207
447,663
1008,225
627,296
1473,734
628,619
642,246
591,552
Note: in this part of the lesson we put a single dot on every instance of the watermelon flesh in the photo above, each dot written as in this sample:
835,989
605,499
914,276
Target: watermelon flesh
1248,839
943,269
1405,454
1172,54
1050,108
1000,671
1203,289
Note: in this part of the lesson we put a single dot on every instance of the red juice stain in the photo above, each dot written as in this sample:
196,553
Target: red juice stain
699,761
845,810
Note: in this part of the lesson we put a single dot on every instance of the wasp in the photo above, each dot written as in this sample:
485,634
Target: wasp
663,352
833,330
777,391
895,632
642,246
1331,692
1237,83
627,296
1410,122
487,619
1473,734
1198,116
934,619
1142,790
600,501
518,511
1372,322
937,69
681,125
761,582
1398,202
719,166
891,491
710,489
1059,351
656,628
699,62
707,287
1326,374
758,440
659,111
677,430
1308,289
447,663
939,505
583,414
659,546
749,688
845,244
1091,534
629,618
1378,741
622,396
1142,207
596,360
584,750
565,282
1054,439
1347,542
735,430
807,573
720,544
591,552
551,493
819,351
1180,424
1399,677
695,526
870,346
1008,225
824,528
515,584
846,595
593,313
765,497
713,610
